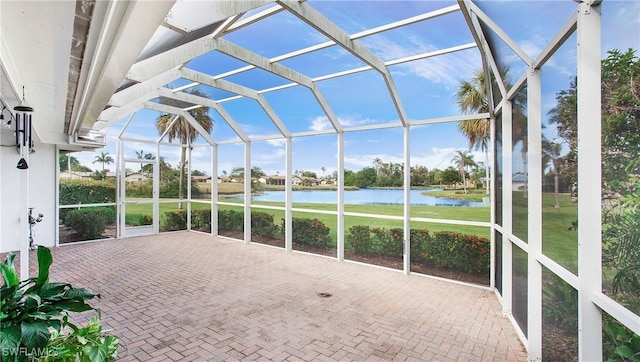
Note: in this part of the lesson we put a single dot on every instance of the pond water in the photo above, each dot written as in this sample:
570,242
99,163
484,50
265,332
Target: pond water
362,197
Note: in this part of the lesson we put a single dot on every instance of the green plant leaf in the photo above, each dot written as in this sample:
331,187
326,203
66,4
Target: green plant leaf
53,290
80,294
35,334
10,338
96,353
72,306
44,262
9,273
32,302
623,351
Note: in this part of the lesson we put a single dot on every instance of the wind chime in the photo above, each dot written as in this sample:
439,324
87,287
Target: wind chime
24,140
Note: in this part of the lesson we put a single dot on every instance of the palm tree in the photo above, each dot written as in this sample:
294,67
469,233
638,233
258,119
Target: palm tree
462,160
551,156
472,98
103,158
377,163
184,132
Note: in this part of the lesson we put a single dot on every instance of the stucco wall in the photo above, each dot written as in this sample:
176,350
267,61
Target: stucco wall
41,188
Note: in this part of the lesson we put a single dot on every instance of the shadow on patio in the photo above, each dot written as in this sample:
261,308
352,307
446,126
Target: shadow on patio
186,296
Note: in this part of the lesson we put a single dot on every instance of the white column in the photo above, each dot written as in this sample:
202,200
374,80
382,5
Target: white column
534,222
491,184
247,192
288,202
156,191
340,230
507,195
589,180
120,187
407,202
57,197
214,190
189,148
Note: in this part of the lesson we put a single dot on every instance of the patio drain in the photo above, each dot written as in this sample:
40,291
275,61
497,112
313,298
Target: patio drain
324,295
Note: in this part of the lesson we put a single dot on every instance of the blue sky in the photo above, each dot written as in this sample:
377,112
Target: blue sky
426,87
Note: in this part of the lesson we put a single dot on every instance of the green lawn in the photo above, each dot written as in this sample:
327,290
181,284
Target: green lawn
558,242
471,195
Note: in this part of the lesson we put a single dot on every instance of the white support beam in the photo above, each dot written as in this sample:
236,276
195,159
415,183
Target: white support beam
556,42
171,124
114,114
315,19
318,21
589,180
136,91
406,258
288,197
507,208
261,62
227,86
177,111
491,184
501,33
206,102
156,191
170,59
247,192
340,227
326,108
486,49
266,107
124,32
225,11
534,218
214,190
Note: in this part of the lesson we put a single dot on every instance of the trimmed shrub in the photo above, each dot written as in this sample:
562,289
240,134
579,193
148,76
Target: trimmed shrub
359,239
145,220
201,219
230,220
420,239
393,243
175,220
262,224
310,232
74,192
88,223
466,253
109,213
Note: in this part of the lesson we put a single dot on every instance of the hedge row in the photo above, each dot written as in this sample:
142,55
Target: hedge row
310,232
444,249
73,192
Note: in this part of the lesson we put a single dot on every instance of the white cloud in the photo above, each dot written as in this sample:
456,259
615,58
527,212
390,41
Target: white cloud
441,158
320,123
441,69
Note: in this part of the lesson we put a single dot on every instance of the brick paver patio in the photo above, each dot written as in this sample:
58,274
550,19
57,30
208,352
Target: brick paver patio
187,297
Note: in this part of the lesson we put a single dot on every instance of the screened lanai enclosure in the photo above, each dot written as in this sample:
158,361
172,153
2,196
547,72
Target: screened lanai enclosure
489,143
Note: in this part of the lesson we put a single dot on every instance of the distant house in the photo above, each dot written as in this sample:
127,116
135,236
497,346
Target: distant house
205,178
273,180
75,175
136,177
222,179
296,180
518,182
